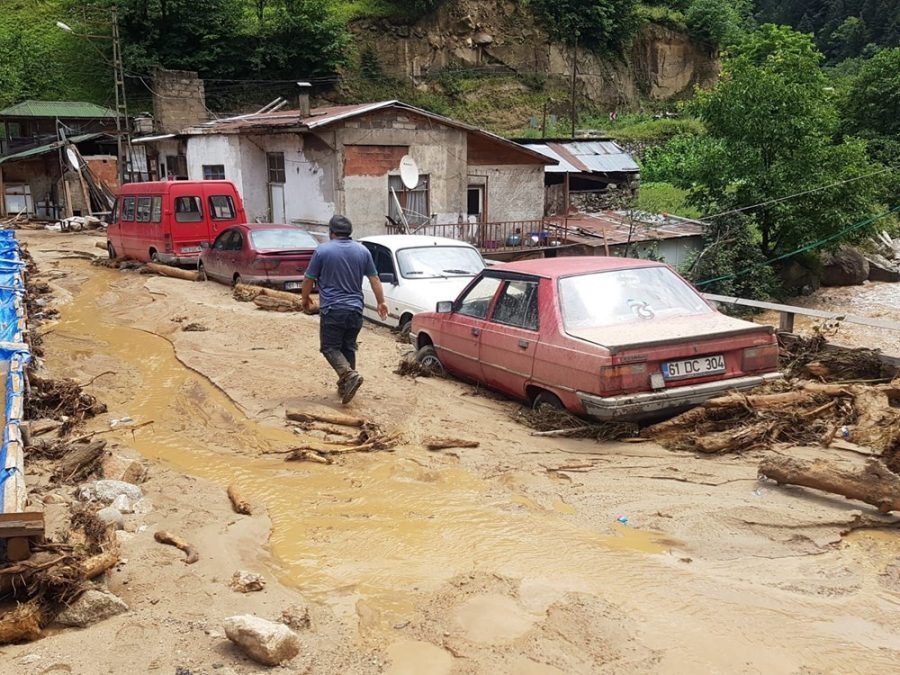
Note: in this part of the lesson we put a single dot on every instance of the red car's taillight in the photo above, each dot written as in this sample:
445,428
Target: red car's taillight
760,358
624,377
266,264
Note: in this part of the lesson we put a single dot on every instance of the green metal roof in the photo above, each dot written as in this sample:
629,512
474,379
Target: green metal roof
78,109
50,147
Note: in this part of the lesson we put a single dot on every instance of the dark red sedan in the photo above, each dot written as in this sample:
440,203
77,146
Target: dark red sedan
610,338
261,254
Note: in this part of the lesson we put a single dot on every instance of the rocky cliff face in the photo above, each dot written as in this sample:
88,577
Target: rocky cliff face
500,35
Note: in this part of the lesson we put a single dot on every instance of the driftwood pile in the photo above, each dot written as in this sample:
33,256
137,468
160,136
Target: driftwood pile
273,300
814,357
61,400
548,421
348,434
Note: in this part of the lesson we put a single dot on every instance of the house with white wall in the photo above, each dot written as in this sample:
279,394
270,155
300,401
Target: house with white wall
303,166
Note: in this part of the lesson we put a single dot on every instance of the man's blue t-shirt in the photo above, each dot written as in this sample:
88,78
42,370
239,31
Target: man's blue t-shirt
339,266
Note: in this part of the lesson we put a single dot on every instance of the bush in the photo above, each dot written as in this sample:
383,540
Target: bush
713,21
595,24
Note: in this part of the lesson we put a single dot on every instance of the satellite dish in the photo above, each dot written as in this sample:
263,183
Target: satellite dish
409,172
73,158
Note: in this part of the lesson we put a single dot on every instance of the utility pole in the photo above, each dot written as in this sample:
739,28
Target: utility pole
574,65
122,126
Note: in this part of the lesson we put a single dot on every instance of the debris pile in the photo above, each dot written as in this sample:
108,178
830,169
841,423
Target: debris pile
814,357
550,421
344,434
61,400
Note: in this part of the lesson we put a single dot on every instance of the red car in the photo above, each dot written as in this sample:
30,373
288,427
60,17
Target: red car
609,338
259,253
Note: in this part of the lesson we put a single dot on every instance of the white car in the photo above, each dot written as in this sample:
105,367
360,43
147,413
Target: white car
417,272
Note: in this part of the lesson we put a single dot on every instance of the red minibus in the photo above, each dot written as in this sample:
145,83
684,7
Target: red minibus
167,221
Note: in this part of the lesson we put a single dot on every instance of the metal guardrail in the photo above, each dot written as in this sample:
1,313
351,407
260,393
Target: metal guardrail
788,312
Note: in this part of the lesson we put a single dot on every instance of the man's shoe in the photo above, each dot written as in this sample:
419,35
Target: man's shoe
350,386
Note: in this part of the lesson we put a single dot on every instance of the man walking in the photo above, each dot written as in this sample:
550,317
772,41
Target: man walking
339,266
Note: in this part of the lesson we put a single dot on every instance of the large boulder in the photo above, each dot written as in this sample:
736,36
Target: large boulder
106,491
800,277
882,269
846,267
92,606
264,641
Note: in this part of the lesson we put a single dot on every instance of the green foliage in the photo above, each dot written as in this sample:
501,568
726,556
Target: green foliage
842,28
596,24
644,128
873,102
715,22
665,198
683,156
662,15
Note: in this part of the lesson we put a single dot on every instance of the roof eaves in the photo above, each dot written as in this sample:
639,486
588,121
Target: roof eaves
49,147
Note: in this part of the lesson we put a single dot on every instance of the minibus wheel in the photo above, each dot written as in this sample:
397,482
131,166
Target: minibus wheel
110,249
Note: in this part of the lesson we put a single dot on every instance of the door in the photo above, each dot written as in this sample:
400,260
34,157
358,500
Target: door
509,338
188,225
128,231
460,335
276,199
215,266
384,264
277,179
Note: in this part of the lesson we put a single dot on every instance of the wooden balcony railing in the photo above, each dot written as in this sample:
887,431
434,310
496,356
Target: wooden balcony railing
513,235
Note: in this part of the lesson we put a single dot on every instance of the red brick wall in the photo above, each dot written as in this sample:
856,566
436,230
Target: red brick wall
105,169
372,160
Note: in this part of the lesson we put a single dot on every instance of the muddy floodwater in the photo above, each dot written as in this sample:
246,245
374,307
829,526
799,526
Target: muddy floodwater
509,558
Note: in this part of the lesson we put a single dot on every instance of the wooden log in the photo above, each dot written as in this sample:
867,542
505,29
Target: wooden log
18,549
328,418
22,624
304,455
276,304
873,484
96,565
562,432
174,272
191,554
444,443
79,463
238,503
100,244
731,439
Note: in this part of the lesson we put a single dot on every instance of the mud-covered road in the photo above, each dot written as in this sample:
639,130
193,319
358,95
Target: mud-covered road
507,558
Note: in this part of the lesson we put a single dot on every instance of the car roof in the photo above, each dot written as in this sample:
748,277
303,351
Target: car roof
553,268
398,241
163,186
271,226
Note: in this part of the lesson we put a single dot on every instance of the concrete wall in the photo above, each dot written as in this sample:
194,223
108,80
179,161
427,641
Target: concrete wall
438,150
219,149
179,100
514,192
309,177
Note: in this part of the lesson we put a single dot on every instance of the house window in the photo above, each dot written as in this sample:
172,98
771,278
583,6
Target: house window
213,172
188,210
275,161
414,203
176,165
221,207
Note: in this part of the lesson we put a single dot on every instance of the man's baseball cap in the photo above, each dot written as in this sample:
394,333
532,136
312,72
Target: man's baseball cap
340,225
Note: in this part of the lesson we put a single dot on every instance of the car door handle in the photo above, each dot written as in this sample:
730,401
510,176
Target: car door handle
523,344
476,332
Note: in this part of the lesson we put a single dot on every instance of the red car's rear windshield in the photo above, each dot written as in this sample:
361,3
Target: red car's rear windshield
624,296
281,240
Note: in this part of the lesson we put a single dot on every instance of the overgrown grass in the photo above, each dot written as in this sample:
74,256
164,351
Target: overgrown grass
665,16
646,129
665,198
374,9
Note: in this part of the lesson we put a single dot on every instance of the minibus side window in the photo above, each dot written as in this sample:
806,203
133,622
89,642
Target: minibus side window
114,215
188,210
221,207
143,209
156,210
128,209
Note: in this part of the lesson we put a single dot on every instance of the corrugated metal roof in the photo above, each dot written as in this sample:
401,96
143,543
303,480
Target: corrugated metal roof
586,156
76,109
49,147
615,227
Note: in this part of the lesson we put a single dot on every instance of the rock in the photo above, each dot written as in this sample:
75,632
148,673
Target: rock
112,516
123,537
142,507
882,269
247,582
798,278
296,617
116,467
846,267
91,607
107,490
28,659
264,641
482,38
123,504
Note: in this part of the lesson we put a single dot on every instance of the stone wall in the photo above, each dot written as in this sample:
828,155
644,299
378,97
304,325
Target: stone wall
179,100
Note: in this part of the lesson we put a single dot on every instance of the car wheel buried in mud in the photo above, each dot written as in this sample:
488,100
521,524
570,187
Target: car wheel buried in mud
427,358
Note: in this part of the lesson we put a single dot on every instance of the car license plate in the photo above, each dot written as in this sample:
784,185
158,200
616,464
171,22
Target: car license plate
292,285
190,249
699,367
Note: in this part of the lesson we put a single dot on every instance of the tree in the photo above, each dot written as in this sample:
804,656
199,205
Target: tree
873,102
595,24
773,123
714,21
